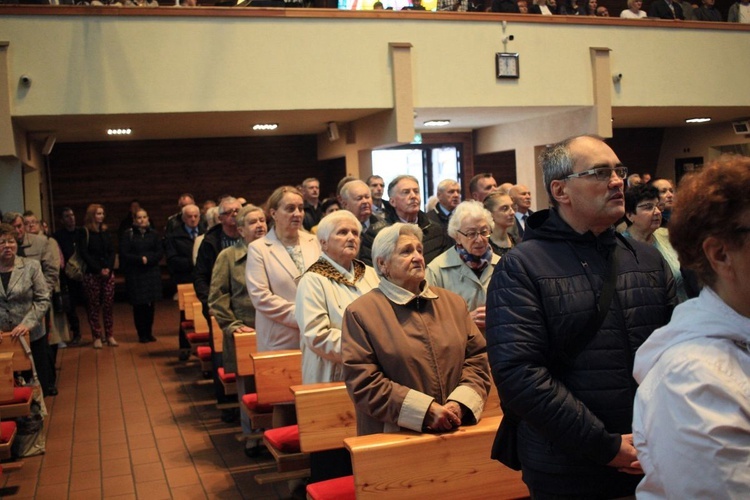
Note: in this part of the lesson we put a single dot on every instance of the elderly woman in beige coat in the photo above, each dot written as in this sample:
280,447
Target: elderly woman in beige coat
230,303
467,267
274,264
323,293
413,358
325,290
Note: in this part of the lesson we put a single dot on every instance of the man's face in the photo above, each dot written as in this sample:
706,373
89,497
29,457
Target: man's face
311,191
591,204
358,201
521,197
134,207
708,3
19,227
69,220
185,201
523,7
31,224
485,186
406,198
602,11
450,197
191,216
666,193
376,188
228,216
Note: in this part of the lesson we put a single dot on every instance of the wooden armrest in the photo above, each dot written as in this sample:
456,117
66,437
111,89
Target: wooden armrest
325,416
245,344
21,362
275,372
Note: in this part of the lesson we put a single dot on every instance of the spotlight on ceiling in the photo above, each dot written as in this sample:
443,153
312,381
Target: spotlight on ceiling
436,123
265,126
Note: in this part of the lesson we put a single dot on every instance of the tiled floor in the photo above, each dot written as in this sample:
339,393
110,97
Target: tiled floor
133,422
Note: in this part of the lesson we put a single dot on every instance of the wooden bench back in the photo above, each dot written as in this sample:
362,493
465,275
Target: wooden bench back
275,373
6,376
182,289
218,334
325,415
190,298
245,345
412,465
21,362
200,325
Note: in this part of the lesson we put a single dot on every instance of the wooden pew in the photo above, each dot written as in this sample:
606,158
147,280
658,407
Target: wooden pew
275,373
14,401
228,380
182,289
408,465
325,416
245,345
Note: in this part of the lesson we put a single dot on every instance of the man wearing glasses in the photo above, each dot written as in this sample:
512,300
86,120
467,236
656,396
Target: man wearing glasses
566,311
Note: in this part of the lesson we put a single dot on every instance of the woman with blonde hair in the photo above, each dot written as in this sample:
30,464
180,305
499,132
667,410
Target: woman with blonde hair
98,252
634,10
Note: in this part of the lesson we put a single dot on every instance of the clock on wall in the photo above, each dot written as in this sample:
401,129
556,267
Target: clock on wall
506,65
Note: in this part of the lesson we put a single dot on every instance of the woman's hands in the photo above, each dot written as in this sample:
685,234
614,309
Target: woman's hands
443,418
478,316
17,332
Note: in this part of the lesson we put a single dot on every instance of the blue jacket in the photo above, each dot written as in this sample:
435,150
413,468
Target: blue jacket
572,411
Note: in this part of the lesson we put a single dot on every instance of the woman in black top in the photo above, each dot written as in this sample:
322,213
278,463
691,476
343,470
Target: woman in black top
98,252
140,253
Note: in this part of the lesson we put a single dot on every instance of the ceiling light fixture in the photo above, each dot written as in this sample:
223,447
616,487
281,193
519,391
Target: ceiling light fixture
119,131
265,126
697,120
436,123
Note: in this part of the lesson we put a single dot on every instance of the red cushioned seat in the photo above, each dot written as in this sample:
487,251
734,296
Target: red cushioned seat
285,439
204,353
187,325
340,488
227,378
20,395
197,338
8,428
251,402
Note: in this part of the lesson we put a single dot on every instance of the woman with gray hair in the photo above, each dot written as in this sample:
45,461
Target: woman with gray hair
325,290
323,293
413,358
467,267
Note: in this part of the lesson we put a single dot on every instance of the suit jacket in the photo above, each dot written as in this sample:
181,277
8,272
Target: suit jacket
517,231
661,10
26,300
271,278
47,253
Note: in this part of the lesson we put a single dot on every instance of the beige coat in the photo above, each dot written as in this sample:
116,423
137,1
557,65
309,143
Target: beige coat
271,278
47,253
321,302
448,271
26,300
402,352
228,299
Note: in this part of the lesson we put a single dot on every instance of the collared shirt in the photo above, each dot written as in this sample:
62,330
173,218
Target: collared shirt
522,218
192,231
447,213
401,296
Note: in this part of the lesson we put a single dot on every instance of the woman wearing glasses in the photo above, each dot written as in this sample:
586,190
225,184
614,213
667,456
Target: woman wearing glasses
644,217
467,267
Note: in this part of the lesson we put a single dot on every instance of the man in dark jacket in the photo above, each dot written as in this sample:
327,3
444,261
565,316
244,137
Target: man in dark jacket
219,237
564,371
406,199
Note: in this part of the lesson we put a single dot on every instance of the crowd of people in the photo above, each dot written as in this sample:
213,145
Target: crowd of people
418,312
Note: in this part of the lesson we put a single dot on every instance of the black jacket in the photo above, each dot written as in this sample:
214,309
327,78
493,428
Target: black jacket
98,253
437,216
143,281
660,9
433,241
204,264
541,297
178,247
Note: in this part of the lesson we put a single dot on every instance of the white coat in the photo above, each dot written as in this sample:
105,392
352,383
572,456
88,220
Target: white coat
271,278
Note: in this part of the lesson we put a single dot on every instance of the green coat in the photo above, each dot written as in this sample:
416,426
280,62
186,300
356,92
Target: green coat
228,299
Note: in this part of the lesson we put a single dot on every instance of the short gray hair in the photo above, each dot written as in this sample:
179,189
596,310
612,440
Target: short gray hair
557,163
385,242
212,217
10,217
344,193
244,211
226,201
445,184
467,209
330,222
392,184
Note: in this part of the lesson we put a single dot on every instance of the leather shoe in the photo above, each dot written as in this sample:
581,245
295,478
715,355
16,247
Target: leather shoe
51,391
150,338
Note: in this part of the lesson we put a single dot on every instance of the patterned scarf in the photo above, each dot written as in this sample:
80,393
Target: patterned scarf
477,264
324,268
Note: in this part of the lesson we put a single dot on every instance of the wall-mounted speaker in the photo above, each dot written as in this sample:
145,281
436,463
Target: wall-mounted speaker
333,131
49,143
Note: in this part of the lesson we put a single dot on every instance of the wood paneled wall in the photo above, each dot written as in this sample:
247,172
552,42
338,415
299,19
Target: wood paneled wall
157,172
